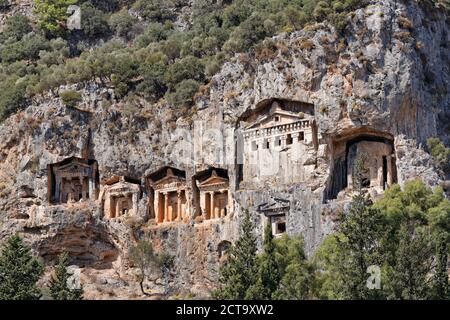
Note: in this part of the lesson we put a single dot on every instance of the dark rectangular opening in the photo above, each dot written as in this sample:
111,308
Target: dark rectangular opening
385,172
289,139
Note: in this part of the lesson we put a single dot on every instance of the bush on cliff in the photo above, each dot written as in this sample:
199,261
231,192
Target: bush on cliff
61,286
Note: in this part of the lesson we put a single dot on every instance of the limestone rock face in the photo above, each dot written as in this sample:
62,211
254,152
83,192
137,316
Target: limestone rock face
379,80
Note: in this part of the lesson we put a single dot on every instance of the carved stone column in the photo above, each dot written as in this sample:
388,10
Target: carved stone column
389,171
212,211
135,202
91,188
166,207
118,213
179,217
156,205
283,141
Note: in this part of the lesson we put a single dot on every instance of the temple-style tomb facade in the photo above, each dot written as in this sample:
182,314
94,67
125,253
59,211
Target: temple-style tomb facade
120,196
72,180
215,198
277,142
168,199
276,211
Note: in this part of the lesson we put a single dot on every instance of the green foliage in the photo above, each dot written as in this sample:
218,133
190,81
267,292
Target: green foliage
153,83
356,243
406,234
191,57
59,286
4,4
93,21
146,260
19,271
239,273
416,236
28,48
122,23
12,95
16,27
70,98
183,93
297,274
52,15
440,153
187,68
268,275
155,10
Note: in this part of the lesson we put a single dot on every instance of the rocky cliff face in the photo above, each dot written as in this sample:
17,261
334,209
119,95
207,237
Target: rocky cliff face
387,78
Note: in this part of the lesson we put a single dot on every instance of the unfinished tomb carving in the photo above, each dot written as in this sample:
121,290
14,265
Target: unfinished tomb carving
72,180
167,192
214,196
120,197
377,152
280,138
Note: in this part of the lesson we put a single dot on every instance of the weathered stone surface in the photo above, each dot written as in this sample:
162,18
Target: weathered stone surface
372,82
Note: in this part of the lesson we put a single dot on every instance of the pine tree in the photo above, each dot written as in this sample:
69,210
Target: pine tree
360,227
240,271
298,275
59,283
269,274
19,271
441,284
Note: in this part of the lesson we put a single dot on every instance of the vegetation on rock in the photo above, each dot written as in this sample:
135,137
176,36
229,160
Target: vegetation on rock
60,288
171,61
19,271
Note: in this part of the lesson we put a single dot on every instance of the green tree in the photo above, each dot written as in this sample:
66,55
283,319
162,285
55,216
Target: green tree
19,271
184,93
356,245
440,153
298,275
93,21
4,4
240,271
152,72
122,23
59,286
269,274
414,245
189,67
16,27
155,10
147,260
52,15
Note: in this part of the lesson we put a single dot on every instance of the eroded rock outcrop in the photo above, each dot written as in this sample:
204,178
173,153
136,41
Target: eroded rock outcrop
381,83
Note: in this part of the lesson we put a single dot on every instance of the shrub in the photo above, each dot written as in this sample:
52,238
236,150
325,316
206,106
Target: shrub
52,15
16,27
186,68
122,23
440,153
70,98
4,4
154,10
93,21
27,48
184,93
155,32
153,83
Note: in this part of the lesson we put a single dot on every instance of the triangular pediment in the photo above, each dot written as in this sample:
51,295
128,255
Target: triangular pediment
169,179
274,206
213,181
277,117
73,166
